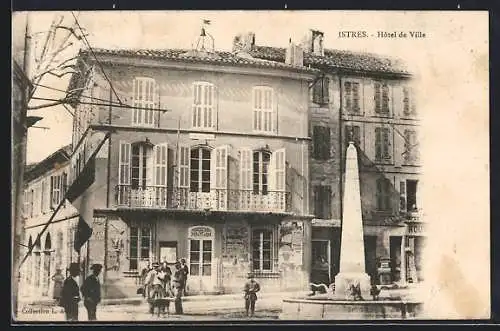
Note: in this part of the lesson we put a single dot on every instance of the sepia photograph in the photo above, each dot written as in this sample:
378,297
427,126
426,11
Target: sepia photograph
249,165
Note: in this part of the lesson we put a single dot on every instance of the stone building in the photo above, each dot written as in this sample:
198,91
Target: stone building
45,186
220,177
370,99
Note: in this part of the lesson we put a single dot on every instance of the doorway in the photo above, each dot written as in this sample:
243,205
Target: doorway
201,266
321,271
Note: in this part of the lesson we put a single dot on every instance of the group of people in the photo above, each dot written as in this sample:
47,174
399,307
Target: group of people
159,284
68,294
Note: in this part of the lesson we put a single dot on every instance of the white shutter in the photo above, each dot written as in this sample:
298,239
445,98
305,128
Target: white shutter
183,167
124,164
214,106
135,102
277,174
160,154
219,167
246,169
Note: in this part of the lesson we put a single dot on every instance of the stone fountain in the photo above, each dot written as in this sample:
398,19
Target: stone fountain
352,298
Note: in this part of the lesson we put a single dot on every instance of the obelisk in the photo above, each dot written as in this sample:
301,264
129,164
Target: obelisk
352,253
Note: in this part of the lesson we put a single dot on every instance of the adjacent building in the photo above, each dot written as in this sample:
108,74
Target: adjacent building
368,99
45,185
208,161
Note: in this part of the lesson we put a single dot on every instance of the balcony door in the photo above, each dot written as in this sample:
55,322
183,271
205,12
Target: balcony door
142,174
202,268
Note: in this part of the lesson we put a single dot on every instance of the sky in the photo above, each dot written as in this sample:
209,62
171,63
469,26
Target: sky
451,65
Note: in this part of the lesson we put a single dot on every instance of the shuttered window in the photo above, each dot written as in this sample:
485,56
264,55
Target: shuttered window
411,152
383,194
321,142
204,102
183,164
382,144
320,91
351,97
145,95
409,105
381,98
124,164
263,100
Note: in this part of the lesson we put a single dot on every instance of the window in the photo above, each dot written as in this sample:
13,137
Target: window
409,106
200,169
411,153
263,109
381,98
411,195
140,246
262,250
321,142
383,194
351,97
141,166
320,91
382,144
322,201
55,190
352,132
144,98
200,258
64,183
204,101
261,161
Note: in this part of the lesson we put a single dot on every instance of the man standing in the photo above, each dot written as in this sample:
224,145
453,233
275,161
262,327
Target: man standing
70,296
251,289
91,291
185,271
177,281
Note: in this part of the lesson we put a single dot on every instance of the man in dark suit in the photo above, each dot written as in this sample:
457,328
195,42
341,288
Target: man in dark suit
91,291
70,295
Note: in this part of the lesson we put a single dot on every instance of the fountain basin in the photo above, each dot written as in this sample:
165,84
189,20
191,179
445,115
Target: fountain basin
322,308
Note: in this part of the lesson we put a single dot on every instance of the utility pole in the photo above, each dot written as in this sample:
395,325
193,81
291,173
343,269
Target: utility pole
20,130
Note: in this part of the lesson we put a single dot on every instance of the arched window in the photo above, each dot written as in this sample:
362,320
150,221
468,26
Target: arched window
200,169
261,161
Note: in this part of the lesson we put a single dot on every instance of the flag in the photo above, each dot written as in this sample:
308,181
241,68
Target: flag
83,202
207,22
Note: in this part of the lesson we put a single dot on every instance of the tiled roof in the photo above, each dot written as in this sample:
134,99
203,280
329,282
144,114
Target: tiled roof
337,59
185,55
217,57
34,170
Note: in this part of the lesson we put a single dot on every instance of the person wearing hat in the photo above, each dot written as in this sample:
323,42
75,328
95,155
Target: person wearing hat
91,291
155,282
251,289
177,283
58,280
70,295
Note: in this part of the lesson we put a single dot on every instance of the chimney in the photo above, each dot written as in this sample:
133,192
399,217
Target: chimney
244,42
313,42
294,55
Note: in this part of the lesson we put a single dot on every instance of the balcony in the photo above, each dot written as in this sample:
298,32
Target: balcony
216,200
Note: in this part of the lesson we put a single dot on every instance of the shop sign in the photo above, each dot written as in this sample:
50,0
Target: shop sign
416,229
201,232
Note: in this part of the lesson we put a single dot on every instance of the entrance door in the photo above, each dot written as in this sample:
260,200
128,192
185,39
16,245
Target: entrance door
201,259
321,263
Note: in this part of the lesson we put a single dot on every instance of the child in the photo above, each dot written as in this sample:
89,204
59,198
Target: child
251,289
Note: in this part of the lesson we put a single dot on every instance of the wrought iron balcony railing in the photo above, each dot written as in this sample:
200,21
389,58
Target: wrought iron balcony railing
215,199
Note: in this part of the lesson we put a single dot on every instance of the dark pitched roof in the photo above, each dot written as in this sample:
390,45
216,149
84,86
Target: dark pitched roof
34,170
186,55
337,59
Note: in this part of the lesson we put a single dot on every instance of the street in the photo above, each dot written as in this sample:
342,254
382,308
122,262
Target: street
266,309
